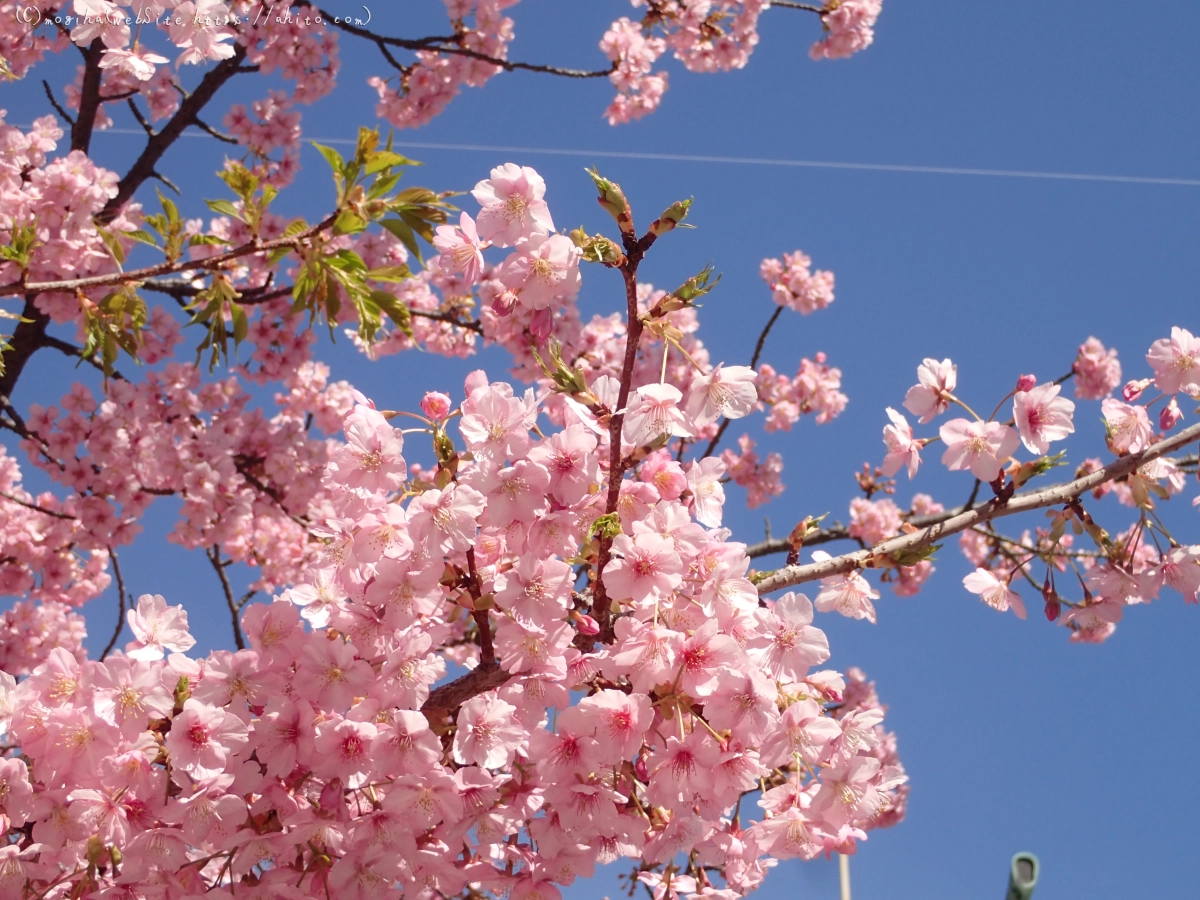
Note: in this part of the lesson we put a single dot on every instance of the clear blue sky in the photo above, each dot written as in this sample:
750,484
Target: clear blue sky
1014,739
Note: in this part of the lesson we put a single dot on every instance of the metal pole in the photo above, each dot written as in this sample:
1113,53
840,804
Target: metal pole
1022,876
844,874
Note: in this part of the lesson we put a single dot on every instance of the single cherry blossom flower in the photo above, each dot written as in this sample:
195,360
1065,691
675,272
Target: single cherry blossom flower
157,628
981,447
513,205
994,592
725,391
935,380
460,250
1042,417
1176,363
902,449
1129,428
653,413
488,733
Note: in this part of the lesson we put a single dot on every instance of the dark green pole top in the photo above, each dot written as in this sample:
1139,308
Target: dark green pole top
1022,876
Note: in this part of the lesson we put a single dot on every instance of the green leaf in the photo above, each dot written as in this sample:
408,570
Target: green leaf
389,273
138,235
395,309
225,208
405,235
204,240
349,222
331,156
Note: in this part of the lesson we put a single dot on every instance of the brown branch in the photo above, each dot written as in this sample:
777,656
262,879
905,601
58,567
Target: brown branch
163,268
447,45
470,325
159,143
89,98
985,512
54,102
214,557
454,694
36,508
792,4
27,337
758,348
120,604
69,349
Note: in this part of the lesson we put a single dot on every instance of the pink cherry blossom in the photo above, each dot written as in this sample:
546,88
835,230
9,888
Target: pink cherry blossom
460,249
790,646
1176,363
1042,417
487,734
654,412
935,380
725,391
902,450
512,205
646,566
157,628
371,457
1129,428
994,592
1097,370
980,447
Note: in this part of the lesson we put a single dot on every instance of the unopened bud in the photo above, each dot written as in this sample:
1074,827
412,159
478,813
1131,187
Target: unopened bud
1170,416
1053,608
1026,382
1133,389
541,325
585,623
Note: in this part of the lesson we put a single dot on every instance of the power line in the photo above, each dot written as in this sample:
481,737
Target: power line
756,161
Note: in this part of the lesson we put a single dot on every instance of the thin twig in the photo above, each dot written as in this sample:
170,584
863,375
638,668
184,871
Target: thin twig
219,135
141,120
53,102
214,557
120,604
791,4
28,505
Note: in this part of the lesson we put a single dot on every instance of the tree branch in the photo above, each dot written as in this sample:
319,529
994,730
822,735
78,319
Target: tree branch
53,102
27,337
447,45
120,604
163,268
214,557
89,98
457,692
985,512
158,144
36,508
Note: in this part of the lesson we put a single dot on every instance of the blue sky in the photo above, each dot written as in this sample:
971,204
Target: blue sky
1014,740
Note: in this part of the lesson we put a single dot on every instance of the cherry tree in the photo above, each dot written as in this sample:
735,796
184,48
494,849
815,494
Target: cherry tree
540,650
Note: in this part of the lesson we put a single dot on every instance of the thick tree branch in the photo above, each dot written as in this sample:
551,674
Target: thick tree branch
89,98
985,512
159,143
27,337
454,694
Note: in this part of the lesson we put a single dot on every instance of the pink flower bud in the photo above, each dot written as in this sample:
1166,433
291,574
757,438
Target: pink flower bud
504,303
435,405
1133,389
541,325
1170,416
585,623
1026,382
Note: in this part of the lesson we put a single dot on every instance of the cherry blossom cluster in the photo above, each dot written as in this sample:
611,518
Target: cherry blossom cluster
793,283
305,763
1128,569
849,27
422,90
